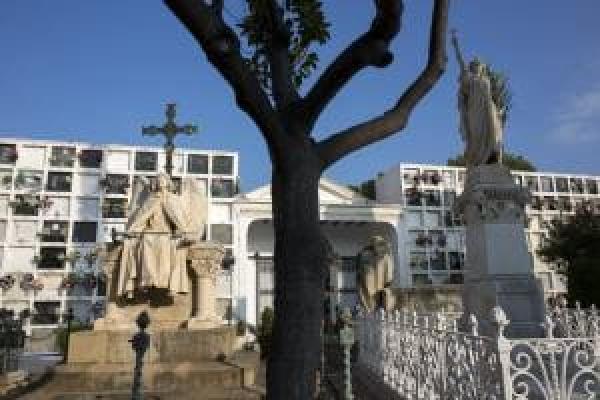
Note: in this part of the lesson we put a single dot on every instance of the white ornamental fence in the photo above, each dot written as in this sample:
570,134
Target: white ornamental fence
574,322
421,359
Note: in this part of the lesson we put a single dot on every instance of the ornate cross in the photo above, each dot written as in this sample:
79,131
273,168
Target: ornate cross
169,130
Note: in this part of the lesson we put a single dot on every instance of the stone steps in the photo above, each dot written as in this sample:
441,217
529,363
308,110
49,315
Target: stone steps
205,394
210,380
156,376
232,378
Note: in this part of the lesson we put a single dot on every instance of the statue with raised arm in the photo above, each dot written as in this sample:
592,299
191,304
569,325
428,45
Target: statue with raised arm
480,119
161,222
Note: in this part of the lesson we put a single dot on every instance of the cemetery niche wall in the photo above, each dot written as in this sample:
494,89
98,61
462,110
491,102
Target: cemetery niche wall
59,200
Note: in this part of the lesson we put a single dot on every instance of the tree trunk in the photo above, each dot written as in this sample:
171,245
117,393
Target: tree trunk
300,258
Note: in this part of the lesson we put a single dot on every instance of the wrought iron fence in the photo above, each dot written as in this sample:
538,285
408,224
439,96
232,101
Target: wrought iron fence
425,358
574,322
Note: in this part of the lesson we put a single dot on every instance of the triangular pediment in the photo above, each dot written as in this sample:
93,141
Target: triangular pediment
329,193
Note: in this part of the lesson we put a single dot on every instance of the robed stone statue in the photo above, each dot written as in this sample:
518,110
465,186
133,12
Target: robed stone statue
480,119
161,223
375,275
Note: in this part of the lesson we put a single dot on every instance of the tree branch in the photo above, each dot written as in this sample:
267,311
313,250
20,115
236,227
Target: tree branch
395,119
284,90
370,49
222,47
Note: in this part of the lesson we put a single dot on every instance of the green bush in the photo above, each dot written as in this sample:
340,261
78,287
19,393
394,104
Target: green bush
265,331
61,333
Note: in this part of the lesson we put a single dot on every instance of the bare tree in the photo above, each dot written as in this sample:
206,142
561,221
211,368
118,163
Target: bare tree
286,120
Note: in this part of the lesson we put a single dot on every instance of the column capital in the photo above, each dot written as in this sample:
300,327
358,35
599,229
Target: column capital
491,196
206,258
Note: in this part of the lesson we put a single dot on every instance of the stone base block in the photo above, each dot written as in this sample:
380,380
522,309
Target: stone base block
172,315
156,377
517,295
166,346
237,371
446,298
203,324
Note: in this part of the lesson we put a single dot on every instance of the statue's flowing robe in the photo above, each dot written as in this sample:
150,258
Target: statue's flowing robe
375,274
151,256
480,125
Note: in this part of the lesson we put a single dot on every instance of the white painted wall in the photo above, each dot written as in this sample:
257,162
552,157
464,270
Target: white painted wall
387,186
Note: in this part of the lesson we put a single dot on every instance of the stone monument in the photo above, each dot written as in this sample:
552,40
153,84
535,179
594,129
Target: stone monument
375,275
161,254
162,266
499,268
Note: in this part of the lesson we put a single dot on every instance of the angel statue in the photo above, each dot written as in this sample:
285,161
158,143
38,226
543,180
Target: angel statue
161,224
375,275
480,120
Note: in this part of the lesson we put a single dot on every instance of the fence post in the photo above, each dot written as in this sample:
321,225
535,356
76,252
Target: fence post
503,346
473,325
69,317
347,340
139,343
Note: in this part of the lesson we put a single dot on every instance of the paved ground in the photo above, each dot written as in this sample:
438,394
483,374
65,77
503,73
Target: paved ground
220,394
37,363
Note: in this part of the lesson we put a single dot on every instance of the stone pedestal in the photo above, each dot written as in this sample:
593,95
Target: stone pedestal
166,346
205,260
178,358
499,267
101,363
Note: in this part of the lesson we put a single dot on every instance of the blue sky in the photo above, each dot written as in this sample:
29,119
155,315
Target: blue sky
97,70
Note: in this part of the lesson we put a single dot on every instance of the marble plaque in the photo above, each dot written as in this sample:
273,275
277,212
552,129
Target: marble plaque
31,157
117,160
2,233
86,208
21,260
59,207
3,206
24,231
87,184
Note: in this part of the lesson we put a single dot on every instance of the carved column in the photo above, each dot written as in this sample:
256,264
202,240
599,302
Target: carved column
499,268
109,258
205,259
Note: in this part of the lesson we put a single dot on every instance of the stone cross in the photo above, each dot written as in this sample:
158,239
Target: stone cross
169,130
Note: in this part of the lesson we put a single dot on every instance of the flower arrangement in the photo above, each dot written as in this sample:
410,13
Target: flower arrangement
441,241
90,281
7,282
422,240
11,154
28,282
6,180
69,281
97,307
114,183
45,202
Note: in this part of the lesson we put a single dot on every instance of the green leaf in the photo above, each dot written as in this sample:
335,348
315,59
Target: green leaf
308,27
